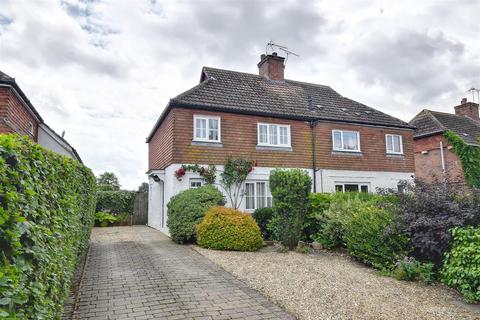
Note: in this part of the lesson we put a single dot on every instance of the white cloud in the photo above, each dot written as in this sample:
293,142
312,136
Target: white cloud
104,70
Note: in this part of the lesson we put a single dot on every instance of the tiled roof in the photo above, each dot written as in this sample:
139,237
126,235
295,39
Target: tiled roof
433,122
249,93
5,77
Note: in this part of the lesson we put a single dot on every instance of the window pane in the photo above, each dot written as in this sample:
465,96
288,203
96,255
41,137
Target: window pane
213,129
201,132
350,141
389,144
337,140
338,188
284,135
261,199
396,144
351,187
364,188
249,196
273,134
263,132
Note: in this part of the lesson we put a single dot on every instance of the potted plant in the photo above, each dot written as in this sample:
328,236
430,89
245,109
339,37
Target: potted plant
104,218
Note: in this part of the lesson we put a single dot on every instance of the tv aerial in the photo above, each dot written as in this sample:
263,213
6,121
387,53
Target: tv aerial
273,46
473,90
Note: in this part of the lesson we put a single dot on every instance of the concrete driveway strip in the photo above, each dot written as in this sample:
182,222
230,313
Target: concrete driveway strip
139,273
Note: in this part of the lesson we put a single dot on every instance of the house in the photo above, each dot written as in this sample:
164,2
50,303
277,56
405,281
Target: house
344,145
434,157
17,114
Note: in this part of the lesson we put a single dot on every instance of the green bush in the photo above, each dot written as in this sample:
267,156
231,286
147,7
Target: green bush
319,202
290,190
47,208
461,269
104,219
115,201
373,235
228,229
263,216
187,209
409,269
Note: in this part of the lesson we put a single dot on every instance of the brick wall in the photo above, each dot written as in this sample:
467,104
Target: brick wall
160,147
428,165
17,114
239,139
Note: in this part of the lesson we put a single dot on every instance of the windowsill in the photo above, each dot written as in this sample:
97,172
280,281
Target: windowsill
207,144
347,153
274,148
396,155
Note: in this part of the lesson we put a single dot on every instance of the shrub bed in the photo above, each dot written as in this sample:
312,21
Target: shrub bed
262,217
461,269
187,209
229,229
47,207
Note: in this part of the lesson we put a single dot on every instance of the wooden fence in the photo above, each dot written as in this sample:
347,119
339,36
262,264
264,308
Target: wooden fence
140,209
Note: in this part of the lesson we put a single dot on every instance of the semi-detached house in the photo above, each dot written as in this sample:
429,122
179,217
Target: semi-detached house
278,123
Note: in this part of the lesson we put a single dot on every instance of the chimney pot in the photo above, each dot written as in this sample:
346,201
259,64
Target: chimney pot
464,100
271,67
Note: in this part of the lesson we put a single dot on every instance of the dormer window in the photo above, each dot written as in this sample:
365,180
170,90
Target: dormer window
206,128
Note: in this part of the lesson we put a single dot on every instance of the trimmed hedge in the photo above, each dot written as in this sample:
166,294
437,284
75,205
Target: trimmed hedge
461,269
228,229
47,207
115,201
187,209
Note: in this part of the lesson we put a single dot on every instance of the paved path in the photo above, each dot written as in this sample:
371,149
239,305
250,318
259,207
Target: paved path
138,273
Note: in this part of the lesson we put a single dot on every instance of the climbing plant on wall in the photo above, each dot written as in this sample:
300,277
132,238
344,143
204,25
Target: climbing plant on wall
207,173
469,157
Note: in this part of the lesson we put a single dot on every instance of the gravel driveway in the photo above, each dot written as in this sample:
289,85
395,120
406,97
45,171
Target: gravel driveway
331,286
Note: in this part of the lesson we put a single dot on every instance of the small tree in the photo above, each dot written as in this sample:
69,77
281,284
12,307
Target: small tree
232,178
143,187
290,190
108,181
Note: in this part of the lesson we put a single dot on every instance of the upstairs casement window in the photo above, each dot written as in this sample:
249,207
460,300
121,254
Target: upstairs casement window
257,195
206,128
273,135
394,143
346,140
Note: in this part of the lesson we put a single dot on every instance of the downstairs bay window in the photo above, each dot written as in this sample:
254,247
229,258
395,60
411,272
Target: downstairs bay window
257,195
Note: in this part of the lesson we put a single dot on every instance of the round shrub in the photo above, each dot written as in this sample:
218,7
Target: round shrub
186,210
229,229
262,217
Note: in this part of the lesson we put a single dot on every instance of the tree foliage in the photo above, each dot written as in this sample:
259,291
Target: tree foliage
232,179
47,207
108,181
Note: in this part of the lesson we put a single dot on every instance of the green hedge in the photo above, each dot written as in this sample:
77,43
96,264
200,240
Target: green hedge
47,207
461,269
228,229
115,201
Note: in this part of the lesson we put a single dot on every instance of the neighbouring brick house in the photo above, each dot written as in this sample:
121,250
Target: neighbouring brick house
344,145
18,115
434,158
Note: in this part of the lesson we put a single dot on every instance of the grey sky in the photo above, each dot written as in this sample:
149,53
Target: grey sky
104,70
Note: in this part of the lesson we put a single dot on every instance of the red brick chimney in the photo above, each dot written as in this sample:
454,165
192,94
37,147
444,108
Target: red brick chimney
469,109
271,67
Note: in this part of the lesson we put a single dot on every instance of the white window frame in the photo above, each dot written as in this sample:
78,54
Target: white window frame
268,143
206,118
386,143
360,185
341,138
268,194
195,180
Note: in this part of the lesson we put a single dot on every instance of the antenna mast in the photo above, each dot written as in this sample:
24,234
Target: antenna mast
473,90
272,45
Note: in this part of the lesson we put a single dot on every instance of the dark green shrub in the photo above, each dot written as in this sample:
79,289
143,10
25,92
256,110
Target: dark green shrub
187,209
290,190
115,201
409,269
461,269
228,229
263,216
47,209
374,236
319,202
429,211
